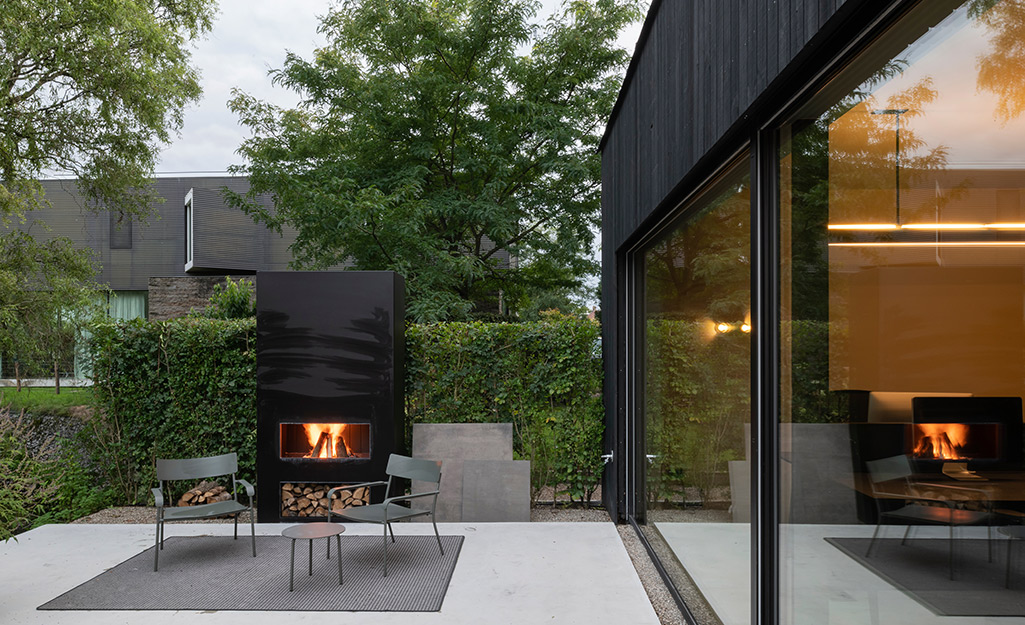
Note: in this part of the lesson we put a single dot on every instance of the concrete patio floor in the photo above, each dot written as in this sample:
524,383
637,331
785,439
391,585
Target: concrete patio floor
507,573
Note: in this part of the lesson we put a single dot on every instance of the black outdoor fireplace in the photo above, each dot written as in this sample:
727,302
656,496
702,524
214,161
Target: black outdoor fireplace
329,360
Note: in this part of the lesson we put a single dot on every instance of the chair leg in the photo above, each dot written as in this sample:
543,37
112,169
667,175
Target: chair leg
872,543
391,531
156,549
1007,574
907,533
252,529
338,537
387,526
236,525
291,569
951,552
989,539
436,535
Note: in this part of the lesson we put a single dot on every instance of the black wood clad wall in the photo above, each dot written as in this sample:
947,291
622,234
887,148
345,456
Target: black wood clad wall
704,75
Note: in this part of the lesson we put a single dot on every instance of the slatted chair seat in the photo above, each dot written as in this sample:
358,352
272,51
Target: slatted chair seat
204,511
939,515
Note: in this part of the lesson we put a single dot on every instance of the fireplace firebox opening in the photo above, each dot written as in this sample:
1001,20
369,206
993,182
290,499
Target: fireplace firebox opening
328,441
956,441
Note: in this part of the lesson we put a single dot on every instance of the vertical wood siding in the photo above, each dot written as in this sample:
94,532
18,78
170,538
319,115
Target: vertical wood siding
697,80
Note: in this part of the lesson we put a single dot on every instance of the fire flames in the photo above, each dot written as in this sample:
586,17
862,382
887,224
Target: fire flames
940,440
327,440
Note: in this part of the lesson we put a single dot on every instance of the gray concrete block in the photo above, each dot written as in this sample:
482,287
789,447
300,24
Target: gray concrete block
453,443
496,490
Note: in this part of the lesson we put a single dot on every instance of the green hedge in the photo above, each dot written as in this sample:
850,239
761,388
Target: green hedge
544,377
697,399
178,389
187,387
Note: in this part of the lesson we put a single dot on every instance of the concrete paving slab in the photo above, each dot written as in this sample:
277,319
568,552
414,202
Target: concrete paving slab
507,574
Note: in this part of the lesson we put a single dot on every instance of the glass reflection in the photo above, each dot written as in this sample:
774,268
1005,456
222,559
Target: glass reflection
903,344
697,397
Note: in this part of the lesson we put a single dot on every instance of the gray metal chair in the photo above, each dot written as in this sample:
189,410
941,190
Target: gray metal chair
196,469
891,480
390,510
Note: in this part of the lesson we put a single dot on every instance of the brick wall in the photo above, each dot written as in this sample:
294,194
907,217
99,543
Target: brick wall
176,296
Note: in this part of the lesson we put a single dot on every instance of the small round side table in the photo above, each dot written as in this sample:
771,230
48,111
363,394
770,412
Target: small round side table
310,532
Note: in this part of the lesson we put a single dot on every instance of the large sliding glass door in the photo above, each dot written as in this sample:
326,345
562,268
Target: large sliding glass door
902,365
694,327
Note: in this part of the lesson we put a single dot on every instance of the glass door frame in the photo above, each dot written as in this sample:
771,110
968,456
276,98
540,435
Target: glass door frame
633,306
761,148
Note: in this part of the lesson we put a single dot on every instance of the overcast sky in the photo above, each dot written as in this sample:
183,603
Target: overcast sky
249,38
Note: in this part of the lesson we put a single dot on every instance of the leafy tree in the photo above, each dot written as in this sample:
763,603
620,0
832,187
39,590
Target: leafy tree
46,294
433,135
1000,68
92,88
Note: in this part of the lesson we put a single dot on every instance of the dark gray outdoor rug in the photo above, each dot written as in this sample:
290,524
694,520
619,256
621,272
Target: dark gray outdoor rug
218,573
921,569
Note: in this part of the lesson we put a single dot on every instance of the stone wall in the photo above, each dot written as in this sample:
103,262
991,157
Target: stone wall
175,296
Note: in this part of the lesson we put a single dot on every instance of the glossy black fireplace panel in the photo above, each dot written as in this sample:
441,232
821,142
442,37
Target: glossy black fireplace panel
329,379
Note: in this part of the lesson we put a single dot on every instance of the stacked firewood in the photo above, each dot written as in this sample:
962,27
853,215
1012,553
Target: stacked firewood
204,492
302,500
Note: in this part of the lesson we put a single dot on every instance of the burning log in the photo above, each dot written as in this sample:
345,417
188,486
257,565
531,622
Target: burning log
323,446
341,449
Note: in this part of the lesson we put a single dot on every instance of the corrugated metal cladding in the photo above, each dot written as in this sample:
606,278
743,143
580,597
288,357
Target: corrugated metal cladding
704,75
227,241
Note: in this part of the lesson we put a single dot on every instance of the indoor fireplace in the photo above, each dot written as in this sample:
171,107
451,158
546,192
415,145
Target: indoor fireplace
984,432
329,360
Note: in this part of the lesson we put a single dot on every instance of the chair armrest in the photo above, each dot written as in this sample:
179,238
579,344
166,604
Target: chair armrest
911,497
352,486
983,493
158,497
330,492
250,491
407,497
391,500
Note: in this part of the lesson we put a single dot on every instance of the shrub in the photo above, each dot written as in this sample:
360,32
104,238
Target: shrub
231,300
47,483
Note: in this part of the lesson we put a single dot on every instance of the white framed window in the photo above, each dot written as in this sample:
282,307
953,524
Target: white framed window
189,238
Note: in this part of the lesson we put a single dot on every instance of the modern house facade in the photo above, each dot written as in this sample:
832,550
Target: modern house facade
813,273
168,263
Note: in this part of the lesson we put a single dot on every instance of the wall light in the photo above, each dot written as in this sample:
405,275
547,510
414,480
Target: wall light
745,328
723,328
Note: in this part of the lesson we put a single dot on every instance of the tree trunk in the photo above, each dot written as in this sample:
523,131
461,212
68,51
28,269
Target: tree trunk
56,378
17,377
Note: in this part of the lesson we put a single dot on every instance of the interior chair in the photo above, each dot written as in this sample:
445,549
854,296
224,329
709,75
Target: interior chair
891,480
394,507
198,469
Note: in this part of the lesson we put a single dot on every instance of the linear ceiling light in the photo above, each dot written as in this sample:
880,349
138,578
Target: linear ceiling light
932,244
961,226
